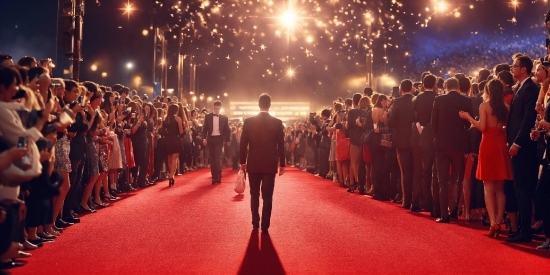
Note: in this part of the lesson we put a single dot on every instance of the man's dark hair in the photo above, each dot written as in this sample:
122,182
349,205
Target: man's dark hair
7,75
4,57
406,86
429,81
36,72
483,74
356,98
123,90
501,67
348,101
440,82
451,84
464,84
368,91
70,84
217,103
481,86
460,75
26,61
264,101
91,86
117,87
325,113
526,62
103,88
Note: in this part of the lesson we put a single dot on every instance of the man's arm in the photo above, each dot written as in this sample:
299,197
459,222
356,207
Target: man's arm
227,131
435,116
205,126
281,144
243,145
470,109
530,96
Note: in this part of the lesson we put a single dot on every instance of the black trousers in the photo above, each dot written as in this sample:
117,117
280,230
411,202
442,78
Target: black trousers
448,167
265,182
525,181
72,200
380,172
406,165
417,191
141,157
542,203
215,145
430,182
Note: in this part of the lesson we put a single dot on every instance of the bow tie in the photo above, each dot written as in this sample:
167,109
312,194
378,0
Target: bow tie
215,115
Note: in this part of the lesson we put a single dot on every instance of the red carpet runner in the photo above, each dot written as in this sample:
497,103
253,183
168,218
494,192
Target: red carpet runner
317,228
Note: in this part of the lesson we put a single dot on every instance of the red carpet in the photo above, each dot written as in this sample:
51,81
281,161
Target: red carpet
316,228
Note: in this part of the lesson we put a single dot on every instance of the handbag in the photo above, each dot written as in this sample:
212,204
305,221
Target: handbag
386,139
240,184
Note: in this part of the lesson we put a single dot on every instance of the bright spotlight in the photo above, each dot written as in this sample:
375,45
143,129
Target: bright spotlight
145,32
290,72
309,39
289,19
441,6
104,74
128,8
129,65
457,14
93,67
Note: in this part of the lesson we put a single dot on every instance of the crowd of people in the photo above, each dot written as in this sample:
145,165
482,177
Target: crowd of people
467,147
70,148
447,57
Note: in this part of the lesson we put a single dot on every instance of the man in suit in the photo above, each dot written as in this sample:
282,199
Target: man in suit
424,137
451,135
215,132
522,150
400,119
261,150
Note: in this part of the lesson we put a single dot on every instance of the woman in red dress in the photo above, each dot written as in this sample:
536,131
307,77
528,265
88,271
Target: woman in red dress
494,161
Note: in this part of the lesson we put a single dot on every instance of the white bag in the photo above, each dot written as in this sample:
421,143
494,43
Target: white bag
240,184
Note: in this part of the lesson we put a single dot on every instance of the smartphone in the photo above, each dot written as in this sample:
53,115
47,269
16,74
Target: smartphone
133,115
22,142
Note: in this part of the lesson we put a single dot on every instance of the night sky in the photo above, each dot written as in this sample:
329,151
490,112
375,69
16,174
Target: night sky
242,47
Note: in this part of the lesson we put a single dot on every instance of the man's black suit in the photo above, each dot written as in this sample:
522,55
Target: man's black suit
262,150
423,105
451,137
400,119
215,143
525,165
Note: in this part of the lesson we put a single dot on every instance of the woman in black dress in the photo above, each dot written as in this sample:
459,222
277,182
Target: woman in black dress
173,128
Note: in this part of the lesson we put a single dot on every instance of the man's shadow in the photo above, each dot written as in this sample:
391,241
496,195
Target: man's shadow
261,258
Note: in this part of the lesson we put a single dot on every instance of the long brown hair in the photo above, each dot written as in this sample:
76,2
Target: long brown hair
494,91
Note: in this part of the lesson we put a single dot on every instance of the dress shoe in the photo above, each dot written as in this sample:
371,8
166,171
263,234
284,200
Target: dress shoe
37,242
415,209
545,245
443,220
435,214
29,246
23,254
11,264
71,220
46,236
521,238
397,199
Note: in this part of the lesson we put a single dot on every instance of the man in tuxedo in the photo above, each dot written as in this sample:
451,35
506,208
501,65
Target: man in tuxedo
522,150
423,136
400,119
451,135
261,150
215,132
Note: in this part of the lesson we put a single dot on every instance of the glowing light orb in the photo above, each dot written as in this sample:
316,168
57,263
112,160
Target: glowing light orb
289,19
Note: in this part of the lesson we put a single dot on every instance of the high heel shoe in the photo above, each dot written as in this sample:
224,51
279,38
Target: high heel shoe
494,232
170,182
545,245
351,188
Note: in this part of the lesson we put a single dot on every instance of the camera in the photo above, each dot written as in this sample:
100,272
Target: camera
22,142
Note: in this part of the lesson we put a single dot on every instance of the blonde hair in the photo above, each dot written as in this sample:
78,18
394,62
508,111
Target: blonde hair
365,103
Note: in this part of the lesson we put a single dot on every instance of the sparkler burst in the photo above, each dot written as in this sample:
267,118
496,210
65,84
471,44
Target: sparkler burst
261,39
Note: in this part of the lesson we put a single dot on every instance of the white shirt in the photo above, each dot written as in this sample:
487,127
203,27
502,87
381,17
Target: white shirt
216,125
